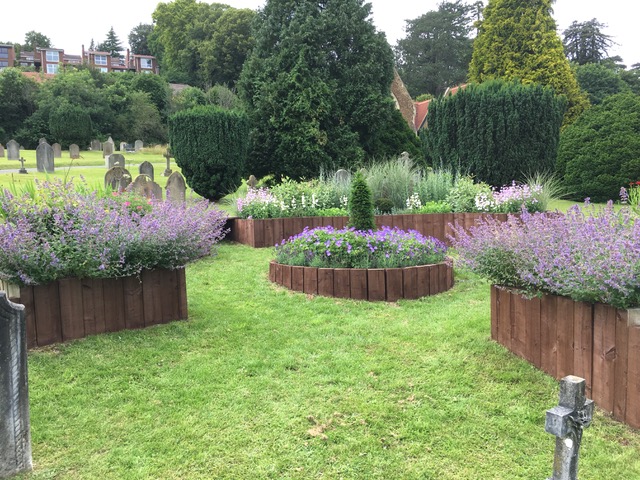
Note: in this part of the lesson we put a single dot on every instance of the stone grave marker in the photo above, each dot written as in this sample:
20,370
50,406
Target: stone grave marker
146,168
343,176
57,150
13,150
123,146
42,140
566,421
74,151
118,178
113,160
252,182
96,145
146,187
44,158
176,188
107,148
138,145
1,151
167,171
22,169
15,432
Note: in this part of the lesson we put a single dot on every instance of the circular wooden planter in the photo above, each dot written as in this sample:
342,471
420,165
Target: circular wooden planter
381,284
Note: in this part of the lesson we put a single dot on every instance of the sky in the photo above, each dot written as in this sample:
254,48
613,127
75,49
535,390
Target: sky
70,24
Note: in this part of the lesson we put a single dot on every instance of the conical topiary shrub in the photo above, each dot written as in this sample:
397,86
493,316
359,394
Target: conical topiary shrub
361,215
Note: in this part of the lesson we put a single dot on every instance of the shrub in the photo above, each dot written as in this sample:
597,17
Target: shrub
361,215
435,185
462,196
55,232
394,179
351,248
210,146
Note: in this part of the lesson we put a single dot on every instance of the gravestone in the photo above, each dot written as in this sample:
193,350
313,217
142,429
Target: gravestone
566,421
96,145
107,148
113,160
15,435
138,145
146,168
146,187
176,188
252,182
13,150
123,146
22,169
167,171
1,151
74,151
118,178
343,176
57,150
44,158
42,140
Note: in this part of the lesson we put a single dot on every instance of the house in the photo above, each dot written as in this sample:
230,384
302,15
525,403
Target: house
7,56
105,62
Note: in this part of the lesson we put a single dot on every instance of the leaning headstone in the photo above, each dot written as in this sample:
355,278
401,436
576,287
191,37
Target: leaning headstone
123,146
118,178
167,171
113,160
15,436
138,145
252,182
13,150
566,421
74,151
1,151
42,140
44,158
146,168
342,176
107,148
146,187
57,150
176,188
96,145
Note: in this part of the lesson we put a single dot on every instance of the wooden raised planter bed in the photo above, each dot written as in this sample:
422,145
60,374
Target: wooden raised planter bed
597,342
382,284
73,308
267,232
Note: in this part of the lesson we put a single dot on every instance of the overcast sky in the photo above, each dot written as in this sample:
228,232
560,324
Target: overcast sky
70,23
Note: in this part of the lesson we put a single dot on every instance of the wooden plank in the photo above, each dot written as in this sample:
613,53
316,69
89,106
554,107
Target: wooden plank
447,219
604,351
394,284
170,296
71,308
505,315
297,225
342,283
621,365
532,327
259,233
410,282
358,281
114,304
26,299
450,277
633,378
397,221
278,230
89,307
46,300
286,276
423,287
376,284
182,294
297,279
278,274
519,338
133,302
495,313
379,220
272,271
583,343
386,221
442,277
287,228
269,239
310,279
427,224
325,282
548,343
564,335
439,226
434,280
151,298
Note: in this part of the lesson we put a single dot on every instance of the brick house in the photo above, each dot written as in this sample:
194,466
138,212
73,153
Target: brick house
7,56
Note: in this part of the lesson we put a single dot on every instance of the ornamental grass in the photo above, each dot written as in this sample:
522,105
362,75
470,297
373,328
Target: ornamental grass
57,231
327,247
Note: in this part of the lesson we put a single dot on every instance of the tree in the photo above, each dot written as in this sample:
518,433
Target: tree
33,40
317,87
599,81
600,152
518,40
437,50
585,43
139,39
17,101
111,44
361,213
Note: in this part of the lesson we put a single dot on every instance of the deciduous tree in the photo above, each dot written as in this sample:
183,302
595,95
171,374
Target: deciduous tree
33,40
139,39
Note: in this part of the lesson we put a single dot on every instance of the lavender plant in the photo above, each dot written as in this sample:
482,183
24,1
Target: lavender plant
60,232
590,254
350,248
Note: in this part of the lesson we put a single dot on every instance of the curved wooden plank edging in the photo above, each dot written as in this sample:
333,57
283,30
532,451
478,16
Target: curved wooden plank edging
372,284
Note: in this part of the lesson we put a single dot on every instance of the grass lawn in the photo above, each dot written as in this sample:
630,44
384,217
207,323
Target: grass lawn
263,383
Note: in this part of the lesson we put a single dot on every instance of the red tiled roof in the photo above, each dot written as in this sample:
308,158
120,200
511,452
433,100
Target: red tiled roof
422,108
454,90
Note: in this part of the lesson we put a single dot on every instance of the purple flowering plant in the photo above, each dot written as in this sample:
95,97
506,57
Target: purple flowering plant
58,231
590,254
511,199
349,248
631,197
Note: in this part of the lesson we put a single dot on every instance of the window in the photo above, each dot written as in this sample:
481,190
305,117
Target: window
53,56
145,63
103,69
4,52
3,64
100,59
52,68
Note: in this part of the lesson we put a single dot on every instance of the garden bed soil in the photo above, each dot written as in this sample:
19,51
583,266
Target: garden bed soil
270,231
73,308
560,336
373,284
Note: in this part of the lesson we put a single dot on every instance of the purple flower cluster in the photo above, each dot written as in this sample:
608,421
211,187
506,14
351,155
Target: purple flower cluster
259,203
59,232
350,248
587,254
511,199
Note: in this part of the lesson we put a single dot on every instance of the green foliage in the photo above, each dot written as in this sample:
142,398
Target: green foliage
384,205
497,131
462,197
111,44
316,87
601,152
70,124
33,40
435,185
518,40
210,145
187,98
584,42
394,179
139,39
599,81
361,214
223,97
17,101
437,50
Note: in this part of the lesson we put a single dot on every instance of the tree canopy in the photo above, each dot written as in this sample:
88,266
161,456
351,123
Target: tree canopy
33,40
111,44
584,42
139,39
